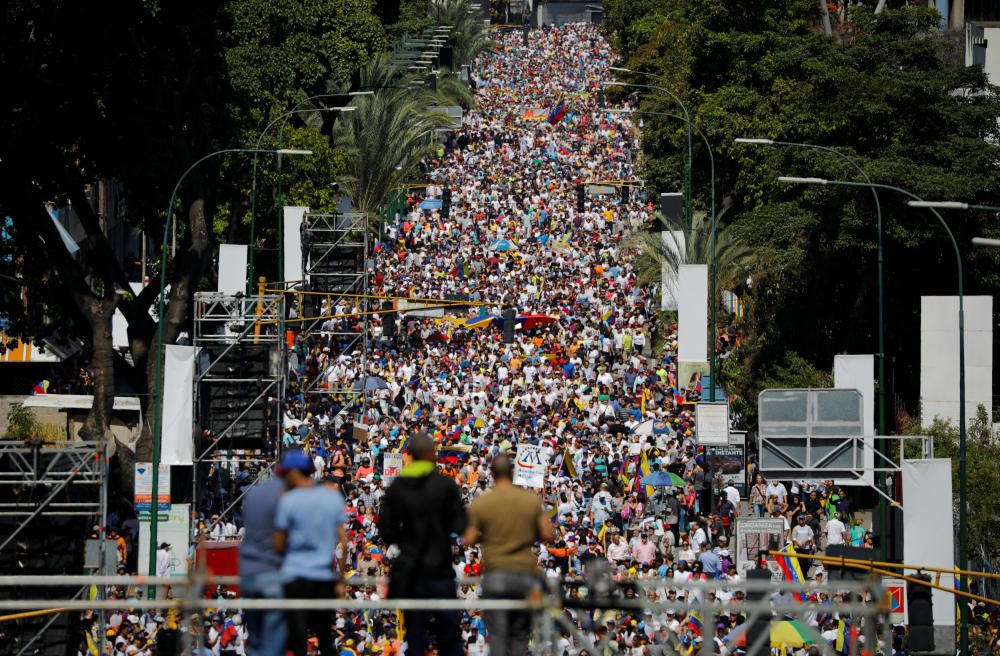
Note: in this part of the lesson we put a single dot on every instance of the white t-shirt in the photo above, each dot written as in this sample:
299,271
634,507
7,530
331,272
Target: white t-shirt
733,495
835,530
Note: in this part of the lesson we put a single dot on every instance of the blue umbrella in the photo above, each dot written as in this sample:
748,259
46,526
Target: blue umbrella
502,245
430,204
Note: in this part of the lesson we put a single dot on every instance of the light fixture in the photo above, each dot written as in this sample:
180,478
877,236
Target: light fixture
293,151
745,140
938,204
793,180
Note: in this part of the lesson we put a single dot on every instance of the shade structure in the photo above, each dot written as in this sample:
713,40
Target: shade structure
369,384
787,633
502,245
530,321
429,204
482,321
662,479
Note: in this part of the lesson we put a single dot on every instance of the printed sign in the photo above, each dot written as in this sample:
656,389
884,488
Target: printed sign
728,466
529,468
144,488
895,593
712,421
391,464
755,535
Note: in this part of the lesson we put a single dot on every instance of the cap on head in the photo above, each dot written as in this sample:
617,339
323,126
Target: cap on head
297,460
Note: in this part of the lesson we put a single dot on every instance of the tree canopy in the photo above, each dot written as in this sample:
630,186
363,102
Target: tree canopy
887,90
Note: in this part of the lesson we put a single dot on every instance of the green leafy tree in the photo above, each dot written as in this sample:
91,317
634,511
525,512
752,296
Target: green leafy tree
388,134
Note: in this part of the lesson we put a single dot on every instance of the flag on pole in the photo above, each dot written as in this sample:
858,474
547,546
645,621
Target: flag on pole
558,113
568,464
644,468
509,118
791,570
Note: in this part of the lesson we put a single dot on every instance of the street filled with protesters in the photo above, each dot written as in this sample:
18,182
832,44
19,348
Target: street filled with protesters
590,377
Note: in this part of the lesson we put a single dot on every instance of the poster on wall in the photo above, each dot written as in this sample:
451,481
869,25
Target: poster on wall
754,537
728,466
144,488
529,468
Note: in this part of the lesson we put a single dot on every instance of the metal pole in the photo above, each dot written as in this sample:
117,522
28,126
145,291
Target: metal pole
688,207
881,445
963,515
158,376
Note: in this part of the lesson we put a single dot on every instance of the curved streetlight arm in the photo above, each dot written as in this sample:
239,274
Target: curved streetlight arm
160,308
880,476
688,207
963,521
713,328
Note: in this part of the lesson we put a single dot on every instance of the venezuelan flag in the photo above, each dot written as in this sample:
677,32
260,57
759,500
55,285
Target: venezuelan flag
509,118
791,570
568,464
558,113
645,469
694,623
563,149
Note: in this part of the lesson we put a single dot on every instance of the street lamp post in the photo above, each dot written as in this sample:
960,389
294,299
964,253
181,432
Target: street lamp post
882,446
158,397
257,148
963,523
713,329
688,207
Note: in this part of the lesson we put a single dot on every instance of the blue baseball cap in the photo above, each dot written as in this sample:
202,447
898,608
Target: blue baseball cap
296,460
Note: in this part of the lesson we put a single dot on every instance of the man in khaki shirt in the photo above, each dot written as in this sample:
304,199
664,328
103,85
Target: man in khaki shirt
508,520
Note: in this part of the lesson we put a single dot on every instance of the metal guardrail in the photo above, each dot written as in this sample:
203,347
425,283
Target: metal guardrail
865,604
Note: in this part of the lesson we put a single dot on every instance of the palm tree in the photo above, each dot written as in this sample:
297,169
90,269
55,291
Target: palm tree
387,135
469,36
662,253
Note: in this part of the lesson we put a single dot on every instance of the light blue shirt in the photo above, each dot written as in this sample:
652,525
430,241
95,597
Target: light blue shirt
311,516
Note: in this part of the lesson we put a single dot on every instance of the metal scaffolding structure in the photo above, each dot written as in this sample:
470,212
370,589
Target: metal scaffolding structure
239,385
51,479
335,267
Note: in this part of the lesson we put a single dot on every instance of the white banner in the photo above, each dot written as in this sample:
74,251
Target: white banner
173,528
673,241
291,247
712,423
177,442
233,269
858,372
692,314
529,468
392,463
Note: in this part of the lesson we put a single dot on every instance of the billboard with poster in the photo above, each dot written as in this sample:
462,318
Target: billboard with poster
728,465
689,374
756,535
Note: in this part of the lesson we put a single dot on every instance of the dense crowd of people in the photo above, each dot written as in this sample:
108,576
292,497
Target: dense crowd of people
591,376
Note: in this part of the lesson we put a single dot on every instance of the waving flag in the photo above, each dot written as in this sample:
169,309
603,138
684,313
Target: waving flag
558,113
509,118
791,570
564,149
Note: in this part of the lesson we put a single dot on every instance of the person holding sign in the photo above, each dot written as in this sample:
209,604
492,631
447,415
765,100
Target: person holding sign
508,520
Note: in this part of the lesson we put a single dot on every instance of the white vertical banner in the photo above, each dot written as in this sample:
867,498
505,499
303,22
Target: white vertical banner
232,268
692,314
673,242
177,442
939,358
291,247
928,525
858,372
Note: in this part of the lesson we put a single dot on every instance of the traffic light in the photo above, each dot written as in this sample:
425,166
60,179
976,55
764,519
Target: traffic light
445,203
921,614
579,198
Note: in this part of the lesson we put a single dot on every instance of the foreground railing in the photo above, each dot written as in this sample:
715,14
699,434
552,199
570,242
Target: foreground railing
767,601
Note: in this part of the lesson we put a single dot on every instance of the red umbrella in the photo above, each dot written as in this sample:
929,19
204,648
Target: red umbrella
529,321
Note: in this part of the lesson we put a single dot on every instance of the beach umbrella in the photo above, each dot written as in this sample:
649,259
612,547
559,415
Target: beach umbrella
644,428
429,204
482,321
662,479
370,384
788,633
529,321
